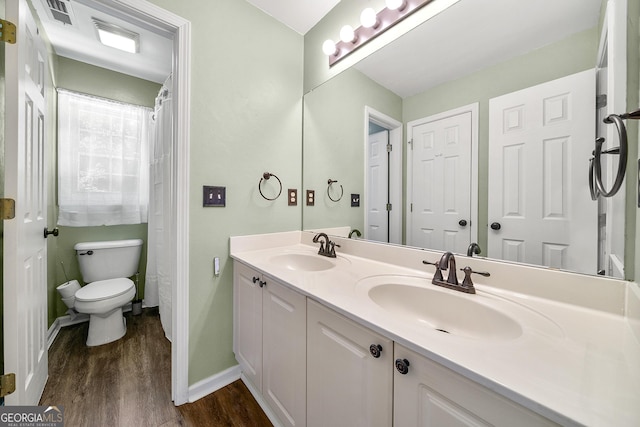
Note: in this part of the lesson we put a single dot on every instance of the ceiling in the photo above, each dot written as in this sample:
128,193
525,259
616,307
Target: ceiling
78,40
300,15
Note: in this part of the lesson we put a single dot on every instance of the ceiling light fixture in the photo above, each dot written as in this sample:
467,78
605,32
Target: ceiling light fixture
117,37
373,24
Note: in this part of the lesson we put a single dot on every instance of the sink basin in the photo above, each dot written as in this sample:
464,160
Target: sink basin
481,316
447,312
302,262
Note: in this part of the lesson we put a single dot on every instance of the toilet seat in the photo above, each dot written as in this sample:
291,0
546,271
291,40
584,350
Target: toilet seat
104,289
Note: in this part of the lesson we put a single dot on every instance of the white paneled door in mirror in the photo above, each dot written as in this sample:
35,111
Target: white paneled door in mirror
540,142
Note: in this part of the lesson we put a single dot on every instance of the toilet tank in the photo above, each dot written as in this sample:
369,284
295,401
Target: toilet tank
108,260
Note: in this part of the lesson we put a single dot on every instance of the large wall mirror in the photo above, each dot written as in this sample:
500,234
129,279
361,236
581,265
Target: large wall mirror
478,127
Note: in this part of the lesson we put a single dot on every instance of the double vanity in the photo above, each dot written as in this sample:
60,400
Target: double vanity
365,338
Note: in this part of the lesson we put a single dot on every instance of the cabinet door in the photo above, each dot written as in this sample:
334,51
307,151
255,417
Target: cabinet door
432,395
346,384
247,322
284,352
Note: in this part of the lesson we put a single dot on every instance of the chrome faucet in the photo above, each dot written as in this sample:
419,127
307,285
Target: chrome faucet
448,262
327,248
473,248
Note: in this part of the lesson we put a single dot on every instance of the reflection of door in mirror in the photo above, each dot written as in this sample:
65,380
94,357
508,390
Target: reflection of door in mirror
540,140
383,177
439,181
377,164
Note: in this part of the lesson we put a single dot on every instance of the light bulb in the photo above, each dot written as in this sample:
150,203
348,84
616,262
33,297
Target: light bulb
368,18
347,34
396,4
329,47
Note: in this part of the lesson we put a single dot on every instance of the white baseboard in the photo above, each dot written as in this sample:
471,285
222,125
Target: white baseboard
263,403
60,323
216,382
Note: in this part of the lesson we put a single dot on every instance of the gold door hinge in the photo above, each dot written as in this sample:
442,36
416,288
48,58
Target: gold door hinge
7,32
7,208
7,384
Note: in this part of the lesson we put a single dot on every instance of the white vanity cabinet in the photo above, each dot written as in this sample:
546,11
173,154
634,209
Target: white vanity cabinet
429,394
349,372
269,342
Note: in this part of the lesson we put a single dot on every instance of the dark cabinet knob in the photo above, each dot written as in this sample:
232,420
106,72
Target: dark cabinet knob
495,226
262,284
55,232
256,279
375,350
402,365
462,223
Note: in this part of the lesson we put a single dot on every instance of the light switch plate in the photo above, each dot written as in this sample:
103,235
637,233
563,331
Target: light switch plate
214,196
355,200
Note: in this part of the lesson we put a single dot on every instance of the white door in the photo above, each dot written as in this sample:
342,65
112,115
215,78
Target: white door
540,208
377,187
25,250
440,195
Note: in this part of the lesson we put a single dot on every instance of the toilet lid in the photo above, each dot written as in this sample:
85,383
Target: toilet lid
103,289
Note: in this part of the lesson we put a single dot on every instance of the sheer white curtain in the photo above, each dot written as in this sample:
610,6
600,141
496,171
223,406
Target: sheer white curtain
103,174
158,279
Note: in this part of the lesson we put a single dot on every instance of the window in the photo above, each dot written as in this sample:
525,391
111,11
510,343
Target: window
103,161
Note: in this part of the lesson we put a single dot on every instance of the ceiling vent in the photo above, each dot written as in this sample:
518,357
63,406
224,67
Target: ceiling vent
60,11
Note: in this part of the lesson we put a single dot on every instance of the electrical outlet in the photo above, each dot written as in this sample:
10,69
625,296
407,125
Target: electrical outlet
292,194
355,200
214,196
311,197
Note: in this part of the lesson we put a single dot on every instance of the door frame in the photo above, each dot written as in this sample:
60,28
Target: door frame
395,170
181,70
613,46
474,110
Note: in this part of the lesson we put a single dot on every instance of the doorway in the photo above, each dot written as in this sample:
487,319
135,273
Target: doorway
383,177
146,12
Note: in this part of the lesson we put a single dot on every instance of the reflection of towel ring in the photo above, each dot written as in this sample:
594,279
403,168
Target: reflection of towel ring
595,165
265,177
331,181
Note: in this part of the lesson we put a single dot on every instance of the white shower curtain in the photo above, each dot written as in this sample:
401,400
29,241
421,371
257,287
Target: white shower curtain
158,279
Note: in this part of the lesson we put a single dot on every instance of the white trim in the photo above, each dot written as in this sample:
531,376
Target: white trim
213,383
263,403
180,183
473,109
395,171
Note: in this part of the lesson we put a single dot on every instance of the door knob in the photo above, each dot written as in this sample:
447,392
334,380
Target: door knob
462,223
496,226
55,232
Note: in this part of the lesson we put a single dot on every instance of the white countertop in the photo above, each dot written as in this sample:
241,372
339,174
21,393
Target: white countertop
571,364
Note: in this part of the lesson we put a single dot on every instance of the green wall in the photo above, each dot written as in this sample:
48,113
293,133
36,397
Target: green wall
334,145
246,119
85,78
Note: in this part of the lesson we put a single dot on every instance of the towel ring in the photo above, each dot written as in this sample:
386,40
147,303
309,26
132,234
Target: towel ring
330,182
595,169
265,177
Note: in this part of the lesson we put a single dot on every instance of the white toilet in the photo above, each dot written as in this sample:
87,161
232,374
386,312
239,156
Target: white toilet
106,267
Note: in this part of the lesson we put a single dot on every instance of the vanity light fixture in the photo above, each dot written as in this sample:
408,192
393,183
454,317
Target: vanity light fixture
369,18
113,35
373,24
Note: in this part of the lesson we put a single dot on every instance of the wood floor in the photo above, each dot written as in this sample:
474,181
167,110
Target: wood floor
128,383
